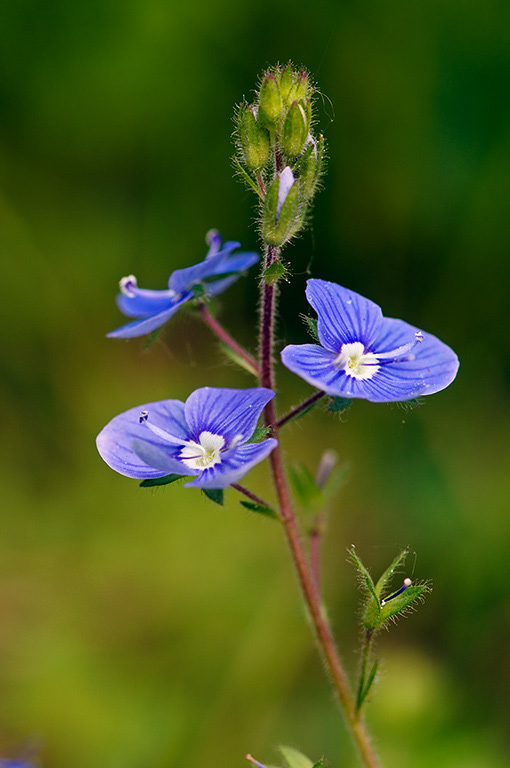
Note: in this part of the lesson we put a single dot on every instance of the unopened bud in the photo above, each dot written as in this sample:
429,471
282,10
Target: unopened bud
270,101
281,209
286,82
253,138
301,87
295,130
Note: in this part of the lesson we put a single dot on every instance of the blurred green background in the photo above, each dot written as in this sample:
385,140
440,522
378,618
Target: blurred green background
142,628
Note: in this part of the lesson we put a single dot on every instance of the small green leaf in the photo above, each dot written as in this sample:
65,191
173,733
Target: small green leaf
303,484
261,509
339,404
403,601
237,359
259,434
311,326
246,177
294,758
275,272
364,693
215,494
166,480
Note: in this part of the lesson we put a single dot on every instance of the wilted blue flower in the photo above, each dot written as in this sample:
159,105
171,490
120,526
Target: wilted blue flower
366,355
153,308
205,437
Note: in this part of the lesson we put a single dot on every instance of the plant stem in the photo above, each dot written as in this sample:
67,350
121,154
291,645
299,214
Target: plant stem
227,339
367,641
300,408
306,578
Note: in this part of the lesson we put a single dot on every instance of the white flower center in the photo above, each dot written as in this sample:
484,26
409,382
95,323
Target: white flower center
356,362
205,453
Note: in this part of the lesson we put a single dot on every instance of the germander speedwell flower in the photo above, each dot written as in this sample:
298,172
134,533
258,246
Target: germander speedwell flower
366,355
205,437
217,272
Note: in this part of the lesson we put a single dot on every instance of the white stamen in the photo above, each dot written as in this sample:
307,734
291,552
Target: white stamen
203,454
356,362
127,284
235,440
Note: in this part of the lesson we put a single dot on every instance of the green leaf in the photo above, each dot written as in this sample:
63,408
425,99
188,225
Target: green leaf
311,326
390,571
275,272
303,484
166,480
364,693
215,494
259,434
339,404
237,359
246,177
294,758
261,509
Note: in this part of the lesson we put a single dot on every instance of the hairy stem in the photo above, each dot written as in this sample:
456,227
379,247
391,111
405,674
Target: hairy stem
306,578
227,339
300,408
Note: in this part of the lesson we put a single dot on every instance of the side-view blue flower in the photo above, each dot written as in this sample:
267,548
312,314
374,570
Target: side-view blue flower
152,309
365,355
206,437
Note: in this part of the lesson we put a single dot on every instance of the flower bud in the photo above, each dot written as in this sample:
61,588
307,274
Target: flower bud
301,87
286,83
253,138
281,209
295,130
270,102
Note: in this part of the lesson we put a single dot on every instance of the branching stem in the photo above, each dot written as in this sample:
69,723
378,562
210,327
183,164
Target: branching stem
251,495
227,339
305,575
300,408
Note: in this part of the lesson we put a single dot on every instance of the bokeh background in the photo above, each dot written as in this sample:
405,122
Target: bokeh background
142,628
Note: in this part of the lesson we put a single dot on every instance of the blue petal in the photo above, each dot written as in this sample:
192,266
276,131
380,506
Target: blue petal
316,366
124,441
433,368
234,465
184,279
147,324
145,302
343,316
226,412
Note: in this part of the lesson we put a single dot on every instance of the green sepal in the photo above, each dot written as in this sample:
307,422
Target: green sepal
278,232
253,139
301,88
261,509
151,482
237,359
260,434
286,82
270,102
295,130
151,338
364,576
390,571
273,273
294,758
246,177
339,404
215,494
311,326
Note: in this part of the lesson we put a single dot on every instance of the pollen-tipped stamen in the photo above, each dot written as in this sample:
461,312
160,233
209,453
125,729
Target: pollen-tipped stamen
163,434
407,583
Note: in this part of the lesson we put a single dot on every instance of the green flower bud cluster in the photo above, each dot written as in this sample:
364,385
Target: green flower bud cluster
277,154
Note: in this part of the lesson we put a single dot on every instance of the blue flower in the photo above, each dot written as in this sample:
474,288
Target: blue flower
153,308
364,354
206,437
